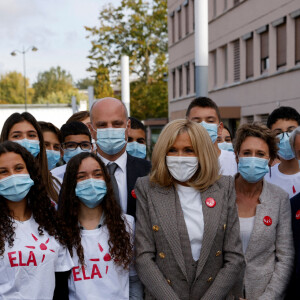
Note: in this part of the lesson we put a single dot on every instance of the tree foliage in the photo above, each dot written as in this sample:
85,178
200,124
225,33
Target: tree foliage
12,89
136,28
84,83
54,86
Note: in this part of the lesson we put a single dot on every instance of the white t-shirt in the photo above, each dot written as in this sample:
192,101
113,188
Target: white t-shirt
246,228
101,278
27,270
228,165
59,172
289,183
190,201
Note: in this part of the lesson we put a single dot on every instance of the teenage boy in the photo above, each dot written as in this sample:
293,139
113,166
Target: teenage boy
76,139
282,121
136,144
205,112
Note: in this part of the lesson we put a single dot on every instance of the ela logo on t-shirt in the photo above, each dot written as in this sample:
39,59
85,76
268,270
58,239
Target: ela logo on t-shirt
95,268
12,256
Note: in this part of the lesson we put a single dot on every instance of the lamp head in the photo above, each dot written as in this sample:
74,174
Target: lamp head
13,53
34,49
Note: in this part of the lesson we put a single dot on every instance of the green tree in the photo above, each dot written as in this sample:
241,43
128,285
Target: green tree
54,86
84,83
136,28
12,88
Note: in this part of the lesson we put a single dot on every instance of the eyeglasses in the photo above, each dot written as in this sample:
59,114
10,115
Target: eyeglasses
71,146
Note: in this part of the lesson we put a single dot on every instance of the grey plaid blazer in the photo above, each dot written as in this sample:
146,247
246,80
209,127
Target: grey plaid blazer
160,261
270,253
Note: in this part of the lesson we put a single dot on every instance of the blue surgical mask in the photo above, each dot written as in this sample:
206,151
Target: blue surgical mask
111,140
33,146
53,158
285,151
91,191
136,149
68,154
225,146
253,169
212,130
15,187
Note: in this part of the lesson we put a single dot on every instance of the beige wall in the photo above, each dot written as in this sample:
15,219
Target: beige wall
257,95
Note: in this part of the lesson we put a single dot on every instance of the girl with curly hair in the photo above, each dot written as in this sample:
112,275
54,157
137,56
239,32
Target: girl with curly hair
100,234
25,130
33,256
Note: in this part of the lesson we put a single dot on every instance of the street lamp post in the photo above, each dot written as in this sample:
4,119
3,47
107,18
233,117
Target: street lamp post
14,53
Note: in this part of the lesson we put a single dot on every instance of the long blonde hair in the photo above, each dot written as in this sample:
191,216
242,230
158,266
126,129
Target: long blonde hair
208,172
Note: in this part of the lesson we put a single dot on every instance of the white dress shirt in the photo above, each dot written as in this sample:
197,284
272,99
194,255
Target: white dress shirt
121,178
190,200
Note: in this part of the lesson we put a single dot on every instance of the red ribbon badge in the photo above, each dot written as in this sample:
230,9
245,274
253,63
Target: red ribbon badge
298,215
133,194
210,202
267,221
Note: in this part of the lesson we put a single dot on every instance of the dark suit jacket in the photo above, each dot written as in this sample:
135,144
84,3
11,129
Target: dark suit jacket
136,167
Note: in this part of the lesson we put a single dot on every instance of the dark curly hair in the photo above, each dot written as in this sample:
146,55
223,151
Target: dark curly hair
37,200
42,157
120,246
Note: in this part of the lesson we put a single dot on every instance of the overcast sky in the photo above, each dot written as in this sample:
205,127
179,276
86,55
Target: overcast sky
55,27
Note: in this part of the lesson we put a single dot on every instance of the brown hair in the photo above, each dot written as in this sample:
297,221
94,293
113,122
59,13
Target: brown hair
260,131
42,157
207,173
79,116
120,246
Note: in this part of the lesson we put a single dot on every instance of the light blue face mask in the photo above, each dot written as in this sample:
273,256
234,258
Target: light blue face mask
53,158
212,130
226,146
136,149
253,169
33,146
15,187
111,140
285,151
91,191
68,154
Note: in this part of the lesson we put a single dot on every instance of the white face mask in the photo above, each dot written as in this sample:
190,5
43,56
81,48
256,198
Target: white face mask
182,168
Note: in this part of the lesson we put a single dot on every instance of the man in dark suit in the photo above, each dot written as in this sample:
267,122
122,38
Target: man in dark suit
109,127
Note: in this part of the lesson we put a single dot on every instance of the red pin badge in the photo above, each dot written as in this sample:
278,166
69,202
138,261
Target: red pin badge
298,214
267,221
210,202
133,194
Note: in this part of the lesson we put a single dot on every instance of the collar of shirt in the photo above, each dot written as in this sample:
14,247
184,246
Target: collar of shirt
121,161
101,222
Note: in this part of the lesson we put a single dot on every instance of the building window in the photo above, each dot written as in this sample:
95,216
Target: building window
281,44
214,8
264,119
225,5
173,27
174,83
249,57
193,11
194,69
179,22
180,80
187,73
236,2
214,58
236,61
297,41
187,19
249,119
225,59
264,51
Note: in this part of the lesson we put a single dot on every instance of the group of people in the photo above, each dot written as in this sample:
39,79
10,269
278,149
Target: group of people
84,214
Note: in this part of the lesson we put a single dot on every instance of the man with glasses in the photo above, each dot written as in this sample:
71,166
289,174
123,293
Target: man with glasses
76,139
282,121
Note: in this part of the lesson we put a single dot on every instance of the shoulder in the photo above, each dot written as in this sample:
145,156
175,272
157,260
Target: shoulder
143,181
138,161
225,181
274,191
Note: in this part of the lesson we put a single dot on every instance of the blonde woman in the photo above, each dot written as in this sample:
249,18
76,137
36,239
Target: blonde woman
187,230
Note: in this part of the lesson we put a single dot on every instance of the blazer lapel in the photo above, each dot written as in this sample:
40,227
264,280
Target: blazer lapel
131,179
211,222
165,204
